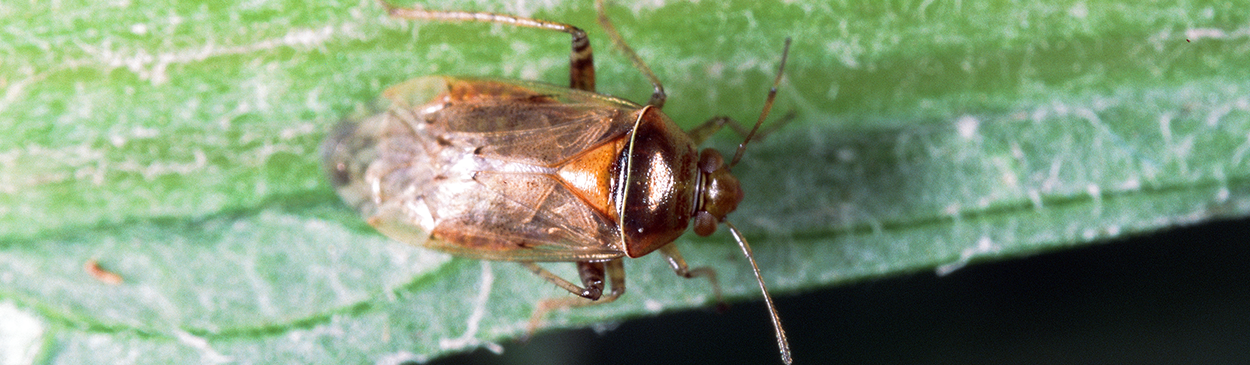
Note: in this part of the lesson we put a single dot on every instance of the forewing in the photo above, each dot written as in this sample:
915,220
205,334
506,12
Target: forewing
470,170
526,122
519,217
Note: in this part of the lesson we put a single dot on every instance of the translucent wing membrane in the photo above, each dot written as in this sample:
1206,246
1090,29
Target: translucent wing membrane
541,222
510,120
472,167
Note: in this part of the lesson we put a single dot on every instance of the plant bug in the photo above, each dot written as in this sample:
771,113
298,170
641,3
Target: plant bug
93,268
523,171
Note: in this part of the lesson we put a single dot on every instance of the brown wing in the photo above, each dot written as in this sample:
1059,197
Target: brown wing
471,169
520,121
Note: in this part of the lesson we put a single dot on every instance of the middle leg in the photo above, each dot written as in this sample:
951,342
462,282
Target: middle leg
592,275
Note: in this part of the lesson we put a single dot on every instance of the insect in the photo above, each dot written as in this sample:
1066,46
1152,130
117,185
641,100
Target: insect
523,171
93,268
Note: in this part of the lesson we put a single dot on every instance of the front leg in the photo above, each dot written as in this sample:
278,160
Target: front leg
673,256
704,130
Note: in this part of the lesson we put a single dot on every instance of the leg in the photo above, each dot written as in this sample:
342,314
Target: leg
581,61
658,96
592,275
703,131
768,106
679,266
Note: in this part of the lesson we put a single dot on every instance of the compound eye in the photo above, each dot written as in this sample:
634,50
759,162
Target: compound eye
704,223
710,160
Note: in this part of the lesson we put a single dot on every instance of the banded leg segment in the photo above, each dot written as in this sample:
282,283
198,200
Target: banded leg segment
592,275
581,59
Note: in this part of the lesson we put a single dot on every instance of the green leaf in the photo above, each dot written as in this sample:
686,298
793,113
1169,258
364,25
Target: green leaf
176,144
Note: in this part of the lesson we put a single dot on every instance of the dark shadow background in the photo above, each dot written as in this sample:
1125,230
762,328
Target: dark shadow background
1175,297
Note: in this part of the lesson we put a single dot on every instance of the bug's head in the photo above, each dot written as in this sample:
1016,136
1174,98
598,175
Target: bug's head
719,192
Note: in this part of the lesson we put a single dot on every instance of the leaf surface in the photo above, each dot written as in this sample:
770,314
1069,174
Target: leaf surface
176,144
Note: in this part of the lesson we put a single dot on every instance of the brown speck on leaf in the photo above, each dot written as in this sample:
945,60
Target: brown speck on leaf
93,268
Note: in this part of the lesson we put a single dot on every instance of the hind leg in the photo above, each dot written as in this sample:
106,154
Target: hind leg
581,59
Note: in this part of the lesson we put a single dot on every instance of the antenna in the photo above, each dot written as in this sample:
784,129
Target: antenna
768,105
782,342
